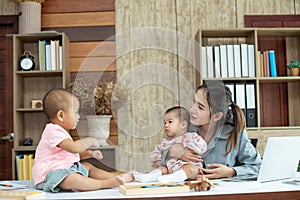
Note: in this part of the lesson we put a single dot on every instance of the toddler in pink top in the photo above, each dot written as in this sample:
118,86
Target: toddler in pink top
176,123
57,156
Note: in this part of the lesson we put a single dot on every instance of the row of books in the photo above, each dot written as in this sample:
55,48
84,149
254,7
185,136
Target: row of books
244,96
24,164
228,61
50,55
266,61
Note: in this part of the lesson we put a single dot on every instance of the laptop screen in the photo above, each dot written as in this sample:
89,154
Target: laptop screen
280,159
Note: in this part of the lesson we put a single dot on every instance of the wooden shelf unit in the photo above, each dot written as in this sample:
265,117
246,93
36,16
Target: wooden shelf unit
33,85
290,40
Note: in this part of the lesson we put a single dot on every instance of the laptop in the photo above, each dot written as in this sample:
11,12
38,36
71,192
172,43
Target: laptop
280,160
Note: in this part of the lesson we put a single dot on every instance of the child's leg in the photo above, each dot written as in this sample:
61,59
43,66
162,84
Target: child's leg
148,177
100,174
191,171
164,170
79,182
188,171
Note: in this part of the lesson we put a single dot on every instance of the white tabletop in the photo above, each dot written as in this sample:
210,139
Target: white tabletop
222,187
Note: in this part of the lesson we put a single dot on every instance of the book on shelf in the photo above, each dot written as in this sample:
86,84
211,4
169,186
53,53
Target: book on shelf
272,63
53,54
216,50
251,116
50,55
230,61
231,87
19,167
60,58
237,60
244,60
203,67
223,61
42,55
209,62
240,96
56,54
266,64
24,164
259,63
251,60
262,73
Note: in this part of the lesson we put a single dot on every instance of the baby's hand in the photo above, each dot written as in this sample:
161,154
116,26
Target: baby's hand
95,144
90,142
96,154
156,164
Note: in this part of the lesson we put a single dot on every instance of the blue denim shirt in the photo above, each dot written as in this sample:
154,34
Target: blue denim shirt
244,158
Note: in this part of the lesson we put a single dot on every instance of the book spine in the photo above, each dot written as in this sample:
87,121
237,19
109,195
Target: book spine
272,63
217,62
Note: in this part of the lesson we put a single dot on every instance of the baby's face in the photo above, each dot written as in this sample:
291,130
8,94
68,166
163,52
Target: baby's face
72,116
172,124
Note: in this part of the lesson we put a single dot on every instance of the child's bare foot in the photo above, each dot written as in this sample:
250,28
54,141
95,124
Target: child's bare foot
128,177
119,180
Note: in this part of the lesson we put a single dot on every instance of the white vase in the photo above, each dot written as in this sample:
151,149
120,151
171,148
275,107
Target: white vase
30,18
99,127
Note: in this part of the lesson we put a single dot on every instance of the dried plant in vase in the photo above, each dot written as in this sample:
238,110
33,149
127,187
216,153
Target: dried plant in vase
96,104
94,97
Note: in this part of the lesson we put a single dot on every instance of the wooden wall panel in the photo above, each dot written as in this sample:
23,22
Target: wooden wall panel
81,34
89,64
297,7
140,64
78,19
59,6
8,7
266,7
92,56
92,49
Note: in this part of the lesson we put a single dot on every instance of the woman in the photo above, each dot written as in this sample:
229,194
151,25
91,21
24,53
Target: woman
222,124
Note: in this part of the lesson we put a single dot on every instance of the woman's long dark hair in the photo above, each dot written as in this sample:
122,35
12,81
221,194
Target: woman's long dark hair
219,98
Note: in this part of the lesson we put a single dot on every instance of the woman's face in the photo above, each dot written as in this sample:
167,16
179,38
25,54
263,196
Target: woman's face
200,110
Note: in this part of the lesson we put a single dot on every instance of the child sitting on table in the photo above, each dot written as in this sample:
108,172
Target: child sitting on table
176,123
56,166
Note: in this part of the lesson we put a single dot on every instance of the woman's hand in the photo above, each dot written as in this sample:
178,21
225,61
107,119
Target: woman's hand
217,171
187,155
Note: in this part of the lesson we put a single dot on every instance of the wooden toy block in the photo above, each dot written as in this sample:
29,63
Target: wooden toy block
146,189
201,184
23,195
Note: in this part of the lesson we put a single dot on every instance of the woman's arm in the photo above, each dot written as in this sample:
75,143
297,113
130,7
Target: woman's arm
243,160
249,159
187,155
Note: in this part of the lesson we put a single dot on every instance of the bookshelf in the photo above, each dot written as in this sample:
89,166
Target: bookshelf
276,115
33,85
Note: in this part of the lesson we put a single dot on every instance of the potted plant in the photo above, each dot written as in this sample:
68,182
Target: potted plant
294,67
95,105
